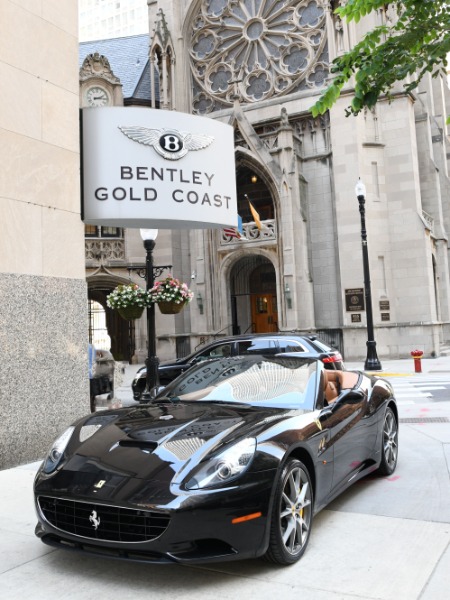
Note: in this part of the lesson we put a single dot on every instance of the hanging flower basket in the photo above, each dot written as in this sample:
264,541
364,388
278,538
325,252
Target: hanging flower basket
129,301
171,295
131,312
171,308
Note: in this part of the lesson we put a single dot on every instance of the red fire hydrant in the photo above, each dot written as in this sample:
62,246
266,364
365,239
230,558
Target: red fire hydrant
417,355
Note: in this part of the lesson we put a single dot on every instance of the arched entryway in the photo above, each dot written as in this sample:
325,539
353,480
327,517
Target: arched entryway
254,306
121,332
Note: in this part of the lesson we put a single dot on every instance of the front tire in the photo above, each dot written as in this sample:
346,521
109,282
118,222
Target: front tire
292,514
389,444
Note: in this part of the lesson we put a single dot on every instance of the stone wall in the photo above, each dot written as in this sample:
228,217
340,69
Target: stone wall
393,341
43,337
43,301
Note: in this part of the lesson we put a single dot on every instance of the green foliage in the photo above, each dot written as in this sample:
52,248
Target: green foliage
418,43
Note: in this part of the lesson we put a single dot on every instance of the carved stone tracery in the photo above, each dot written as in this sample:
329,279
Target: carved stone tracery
107,250
256,49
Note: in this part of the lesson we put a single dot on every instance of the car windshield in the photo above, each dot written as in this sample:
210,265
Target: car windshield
288,382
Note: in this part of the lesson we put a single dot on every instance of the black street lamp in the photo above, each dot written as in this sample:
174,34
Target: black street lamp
372,363
152,361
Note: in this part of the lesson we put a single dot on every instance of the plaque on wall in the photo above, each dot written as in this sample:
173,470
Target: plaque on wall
385,317
356,318
384,305
354,300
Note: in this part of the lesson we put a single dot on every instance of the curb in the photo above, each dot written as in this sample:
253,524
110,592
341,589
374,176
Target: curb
387,374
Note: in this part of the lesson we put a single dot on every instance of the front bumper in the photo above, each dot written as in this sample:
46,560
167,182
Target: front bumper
199,529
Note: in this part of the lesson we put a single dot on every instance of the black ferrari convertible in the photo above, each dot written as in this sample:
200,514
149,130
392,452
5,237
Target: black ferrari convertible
230,461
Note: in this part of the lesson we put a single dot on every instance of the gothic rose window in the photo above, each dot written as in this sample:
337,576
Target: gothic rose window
256,49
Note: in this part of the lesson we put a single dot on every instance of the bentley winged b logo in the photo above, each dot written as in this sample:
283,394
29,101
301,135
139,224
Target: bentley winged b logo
169,143
94,519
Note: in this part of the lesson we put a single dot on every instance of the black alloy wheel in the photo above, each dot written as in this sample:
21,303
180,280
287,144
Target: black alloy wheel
292,514
389,444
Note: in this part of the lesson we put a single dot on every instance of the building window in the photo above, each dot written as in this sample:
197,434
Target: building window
94,231
281,45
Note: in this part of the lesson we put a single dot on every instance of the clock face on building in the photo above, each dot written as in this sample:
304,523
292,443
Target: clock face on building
97,96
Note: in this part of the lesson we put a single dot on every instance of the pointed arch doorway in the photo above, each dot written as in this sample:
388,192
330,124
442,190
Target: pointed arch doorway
254,306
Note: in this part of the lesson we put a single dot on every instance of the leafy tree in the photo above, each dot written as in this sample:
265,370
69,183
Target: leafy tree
416,44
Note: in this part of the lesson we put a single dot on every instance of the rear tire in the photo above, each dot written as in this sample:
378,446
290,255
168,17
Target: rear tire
389,444
292,514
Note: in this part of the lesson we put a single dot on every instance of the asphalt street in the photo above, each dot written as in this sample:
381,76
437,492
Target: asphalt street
383,539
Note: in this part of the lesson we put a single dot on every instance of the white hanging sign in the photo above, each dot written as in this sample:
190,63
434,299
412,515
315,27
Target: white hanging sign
151,168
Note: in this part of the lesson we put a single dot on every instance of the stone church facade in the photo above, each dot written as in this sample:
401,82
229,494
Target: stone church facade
259,66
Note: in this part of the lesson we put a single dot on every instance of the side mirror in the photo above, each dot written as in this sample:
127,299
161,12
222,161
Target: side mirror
351,396
198,359
154,392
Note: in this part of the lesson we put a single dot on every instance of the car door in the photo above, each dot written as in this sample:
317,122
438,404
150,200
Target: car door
352,434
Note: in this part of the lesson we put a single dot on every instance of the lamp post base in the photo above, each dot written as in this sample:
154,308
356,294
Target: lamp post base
372,363
152,379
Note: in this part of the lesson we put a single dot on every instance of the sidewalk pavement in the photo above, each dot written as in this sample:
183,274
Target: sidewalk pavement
123,393
383,539
406,366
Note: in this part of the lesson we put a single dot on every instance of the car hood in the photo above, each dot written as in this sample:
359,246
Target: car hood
157,444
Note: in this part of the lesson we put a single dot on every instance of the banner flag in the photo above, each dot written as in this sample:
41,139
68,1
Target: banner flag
237,233
231,232
255,214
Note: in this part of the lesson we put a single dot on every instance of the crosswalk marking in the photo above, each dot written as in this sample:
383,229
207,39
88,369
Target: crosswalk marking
412,394
411,389
429,388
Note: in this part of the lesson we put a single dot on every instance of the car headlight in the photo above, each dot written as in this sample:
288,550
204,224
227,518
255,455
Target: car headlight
56,451
224,467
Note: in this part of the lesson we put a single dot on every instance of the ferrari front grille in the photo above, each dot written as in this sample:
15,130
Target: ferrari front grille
103,522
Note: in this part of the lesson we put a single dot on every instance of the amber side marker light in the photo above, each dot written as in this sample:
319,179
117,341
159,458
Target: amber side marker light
246,518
